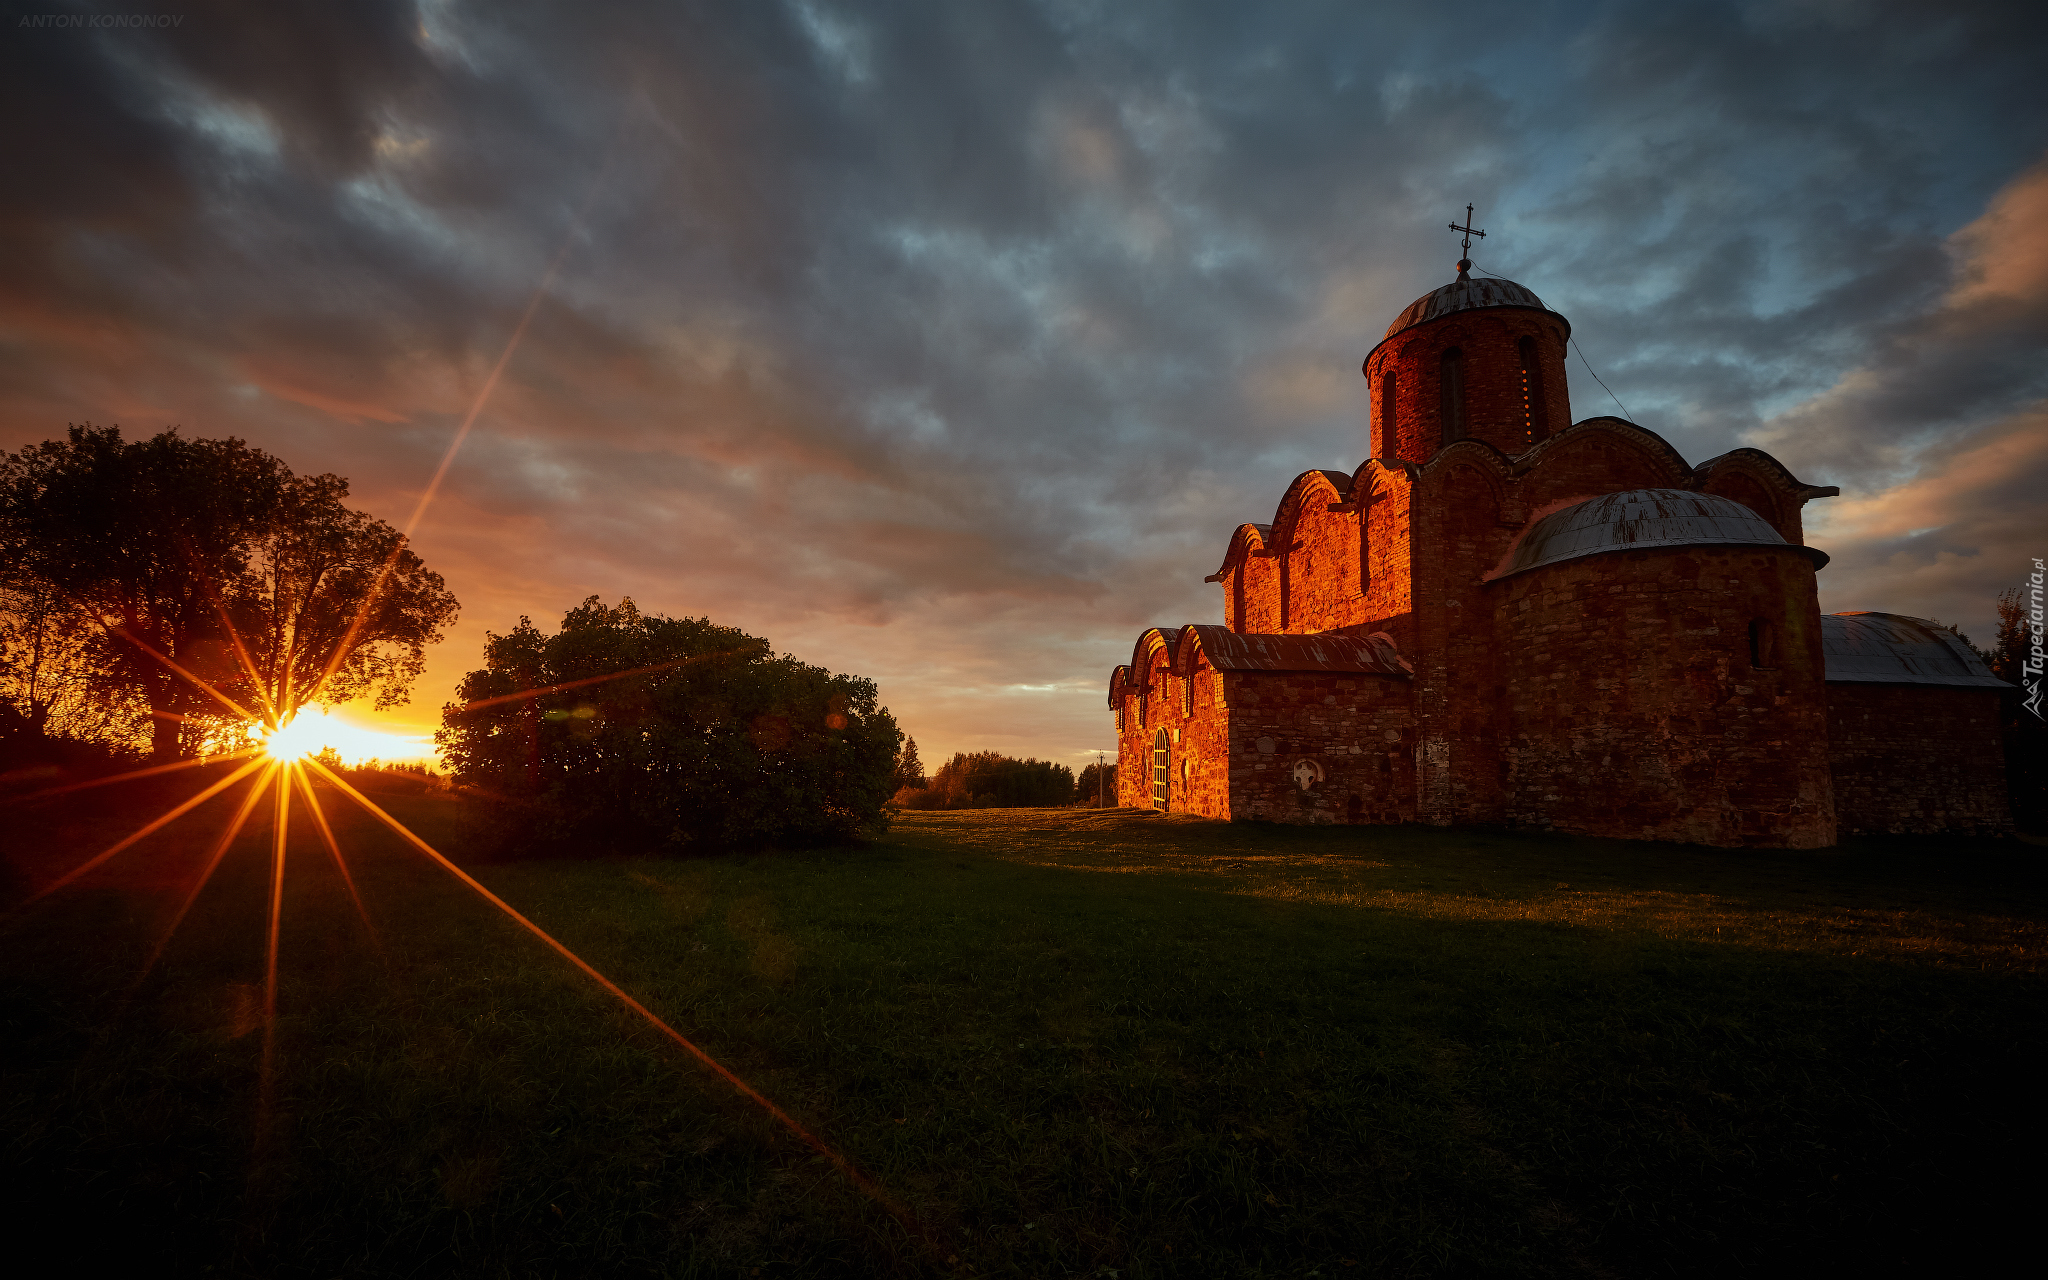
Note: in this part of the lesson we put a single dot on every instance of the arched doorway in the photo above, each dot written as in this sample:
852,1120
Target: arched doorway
1162,752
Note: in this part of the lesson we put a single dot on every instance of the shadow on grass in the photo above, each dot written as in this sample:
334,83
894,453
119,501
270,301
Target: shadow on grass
1074,1044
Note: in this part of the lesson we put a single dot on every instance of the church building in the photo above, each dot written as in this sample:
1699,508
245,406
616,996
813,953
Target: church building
1502,617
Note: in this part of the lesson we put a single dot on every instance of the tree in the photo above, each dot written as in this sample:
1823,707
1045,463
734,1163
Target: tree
51,686
1097,783
212,575
991,780
630,729
334,604
2021,727
909,769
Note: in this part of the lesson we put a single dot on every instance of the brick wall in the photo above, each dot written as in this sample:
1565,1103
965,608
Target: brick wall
1357,731
1633,708
1917,758
1490,341
1323,585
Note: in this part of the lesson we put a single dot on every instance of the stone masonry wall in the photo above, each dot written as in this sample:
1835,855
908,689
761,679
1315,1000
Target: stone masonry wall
1917,759
1490,343
1355,733
1148,706
1634,709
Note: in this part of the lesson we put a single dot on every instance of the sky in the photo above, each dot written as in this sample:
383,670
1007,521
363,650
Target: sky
946,343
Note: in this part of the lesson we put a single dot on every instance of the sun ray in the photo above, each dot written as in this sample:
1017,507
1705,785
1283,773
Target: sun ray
213,857
157,825
189,678
524,694
266,1089
476,408
220,606
305,782
131,775
845,1166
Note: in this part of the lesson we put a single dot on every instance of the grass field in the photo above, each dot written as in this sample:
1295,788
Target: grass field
1072,1043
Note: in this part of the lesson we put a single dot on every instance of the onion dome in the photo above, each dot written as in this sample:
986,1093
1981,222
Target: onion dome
1646,520
1890,648
1468,294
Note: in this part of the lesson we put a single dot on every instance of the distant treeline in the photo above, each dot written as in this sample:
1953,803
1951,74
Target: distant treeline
991,780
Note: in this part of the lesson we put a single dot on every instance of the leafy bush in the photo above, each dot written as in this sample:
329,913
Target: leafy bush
631,729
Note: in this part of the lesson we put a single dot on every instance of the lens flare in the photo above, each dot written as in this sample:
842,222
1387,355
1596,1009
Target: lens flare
298,737
313,729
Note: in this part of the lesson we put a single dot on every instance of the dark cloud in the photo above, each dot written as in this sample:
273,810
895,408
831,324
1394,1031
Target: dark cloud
948,343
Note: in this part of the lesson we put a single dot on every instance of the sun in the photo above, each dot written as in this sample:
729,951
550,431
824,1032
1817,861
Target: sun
313,728
300,737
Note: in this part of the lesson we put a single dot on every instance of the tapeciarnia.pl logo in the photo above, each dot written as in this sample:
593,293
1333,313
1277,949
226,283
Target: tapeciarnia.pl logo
2031,668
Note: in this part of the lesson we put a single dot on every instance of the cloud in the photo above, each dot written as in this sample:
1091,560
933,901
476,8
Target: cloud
1953,407
947,344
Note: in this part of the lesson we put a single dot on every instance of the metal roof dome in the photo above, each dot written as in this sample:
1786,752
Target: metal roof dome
1467,294
1643,520
1891,648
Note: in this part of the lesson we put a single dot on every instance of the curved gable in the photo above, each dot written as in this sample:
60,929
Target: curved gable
1151,642
1119,684
1761,482
1304,489
1245,541
1599,455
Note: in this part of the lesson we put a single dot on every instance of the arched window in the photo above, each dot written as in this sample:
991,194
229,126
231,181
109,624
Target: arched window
1187,694
1534,427
1162,769
1454,395
1763,645
1389,437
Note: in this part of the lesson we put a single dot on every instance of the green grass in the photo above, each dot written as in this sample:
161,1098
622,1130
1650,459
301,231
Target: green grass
1072,1044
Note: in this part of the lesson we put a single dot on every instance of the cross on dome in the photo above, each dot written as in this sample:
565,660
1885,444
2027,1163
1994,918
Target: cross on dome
1465,246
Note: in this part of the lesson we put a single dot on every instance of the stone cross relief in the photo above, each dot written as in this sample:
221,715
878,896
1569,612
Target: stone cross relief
1304,775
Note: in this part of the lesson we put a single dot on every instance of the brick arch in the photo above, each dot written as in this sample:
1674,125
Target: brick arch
1598,455
1740,486
1119,685
1247,543
1302,554
1337,484
1151,642
1746,474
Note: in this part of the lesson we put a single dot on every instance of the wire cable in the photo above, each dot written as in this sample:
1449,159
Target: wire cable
1576,347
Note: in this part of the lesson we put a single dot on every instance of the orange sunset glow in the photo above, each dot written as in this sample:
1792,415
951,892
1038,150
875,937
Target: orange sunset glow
568,578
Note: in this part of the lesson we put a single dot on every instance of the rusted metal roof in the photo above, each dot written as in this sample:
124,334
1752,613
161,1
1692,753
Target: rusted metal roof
1890,648
1467,294
1226,650
1643,520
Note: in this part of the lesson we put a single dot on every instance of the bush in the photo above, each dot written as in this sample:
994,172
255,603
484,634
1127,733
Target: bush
990,780
631,730
1096,787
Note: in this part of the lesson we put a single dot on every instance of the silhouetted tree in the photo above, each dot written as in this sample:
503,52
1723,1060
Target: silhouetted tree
909,769
1097,781
207,565
2024,734
334,605
51,683
642,729
991,780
